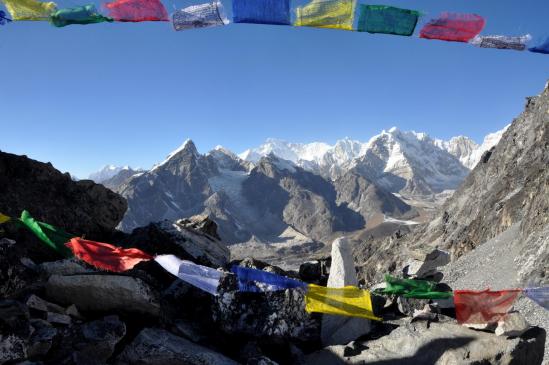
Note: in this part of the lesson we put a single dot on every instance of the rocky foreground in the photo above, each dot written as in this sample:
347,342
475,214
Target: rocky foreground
67,312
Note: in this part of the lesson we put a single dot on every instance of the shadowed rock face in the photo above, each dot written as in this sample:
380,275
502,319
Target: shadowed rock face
80,207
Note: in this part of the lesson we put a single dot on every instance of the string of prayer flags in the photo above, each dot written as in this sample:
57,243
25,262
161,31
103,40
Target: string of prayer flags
29,9
542,48
387,20
106,256
335,14
262,12
202,277
409,288
539,295
4,218
3,18
137,11
482,307
50,235
502,42
348,301
454,27
199,16
256,281
86,14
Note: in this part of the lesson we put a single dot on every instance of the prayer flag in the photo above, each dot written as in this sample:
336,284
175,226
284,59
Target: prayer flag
199,16
501,42
86,14
539,295
137,11
256,281
418,289
3,18
202,277
454,27
336,14
107,257
387,20
29,9
348,301
50,235
4,218
262,11
480,307
542,48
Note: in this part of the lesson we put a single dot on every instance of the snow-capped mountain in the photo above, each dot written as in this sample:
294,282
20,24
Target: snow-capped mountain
393,147
106,173
468,151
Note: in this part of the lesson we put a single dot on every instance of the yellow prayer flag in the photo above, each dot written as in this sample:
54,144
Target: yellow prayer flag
4,218
348,301
29,9
337,14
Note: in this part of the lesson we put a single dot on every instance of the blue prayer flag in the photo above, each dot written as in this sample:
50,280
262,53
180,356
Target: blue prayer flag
542,48
256,281
539,295
262,11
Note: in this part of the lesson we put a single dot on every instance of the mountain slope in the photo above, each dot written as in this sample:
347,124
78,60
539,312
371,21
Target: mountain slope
508,191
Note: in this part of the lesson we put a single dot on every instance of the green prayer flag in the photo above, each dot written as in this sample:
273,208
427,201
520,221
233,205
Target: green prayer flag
86,14
387,20
418,289
50,235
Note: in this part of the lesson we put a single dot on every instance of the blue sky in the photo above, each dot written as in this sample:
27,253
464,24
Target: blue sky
85,96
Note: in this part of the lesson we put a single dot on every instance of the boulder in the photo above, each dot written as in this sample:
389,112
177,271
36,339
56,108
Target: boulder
172,238
91,343
512,325
315,272
279,314
157,347
439,343
63,267
12,349
36,303
80,207
338,330
424,265
42,338
201,223
103,293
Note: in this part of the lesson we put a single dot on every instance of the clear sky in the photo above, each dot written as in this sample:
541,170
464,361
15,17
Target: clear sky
85,96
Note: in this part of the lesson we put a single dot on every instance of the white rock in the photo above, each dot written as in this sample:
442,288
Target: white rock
339,330
513,325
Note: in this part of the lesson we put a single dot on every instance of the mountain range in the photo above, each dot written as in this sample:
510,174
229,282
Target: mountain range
281,192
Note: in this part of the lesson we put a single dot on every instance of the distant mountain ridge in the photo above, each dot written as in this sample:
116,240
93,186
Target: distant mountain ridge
314,190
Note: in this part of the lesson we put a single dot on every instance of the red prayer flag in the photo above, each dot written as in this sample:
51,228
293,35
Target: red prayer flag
454,27
137,11
105,256
479,307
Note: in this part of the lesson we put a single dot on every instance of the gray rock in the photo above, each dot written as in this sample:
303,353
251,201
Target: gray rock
56,318
63,267
159,347
42,338
512,325
39,304
441,343
337,330
187,243
104,293
12,348
424,265
90,343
